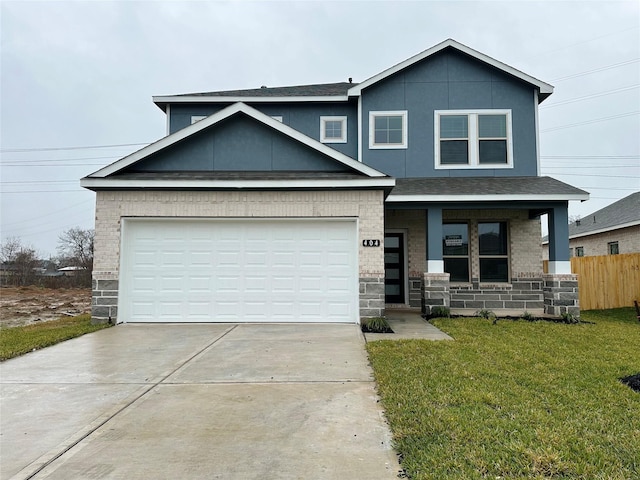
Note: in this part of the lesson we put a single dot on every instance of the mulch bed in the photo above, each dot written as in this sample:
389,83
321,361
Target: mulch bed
633,381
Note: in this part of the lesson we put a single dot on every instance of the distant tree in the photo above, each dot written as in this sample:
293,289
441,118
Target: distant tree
75,248
19,262
574,218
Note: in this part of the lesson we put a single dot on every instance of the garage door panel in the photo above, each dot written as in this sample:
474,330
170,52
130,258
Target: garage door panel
239,270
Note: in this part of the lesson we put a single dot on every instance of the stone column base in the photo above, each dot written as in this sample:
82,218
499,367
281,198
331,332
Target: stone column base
104,301
561,294
435,291
371,297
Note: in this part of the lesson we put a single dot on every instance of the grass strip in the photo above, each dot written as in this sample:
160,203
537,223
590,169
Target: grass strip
515,400
16,341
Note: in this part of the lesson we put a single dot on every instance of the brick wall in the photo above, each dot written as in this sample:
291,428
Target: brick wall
628,242
367,206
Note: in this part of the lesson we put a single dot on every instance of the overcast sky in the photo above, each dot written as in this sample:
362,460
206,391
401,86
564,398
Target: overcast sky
78,77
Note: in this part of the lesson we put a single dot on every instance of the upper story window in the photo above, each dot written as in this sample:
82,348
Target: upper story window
388,129
333,129
197,118
473,139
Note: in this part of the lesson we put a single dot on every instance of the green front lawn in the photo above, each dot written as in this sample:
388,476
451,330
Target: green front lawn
515,400
17,341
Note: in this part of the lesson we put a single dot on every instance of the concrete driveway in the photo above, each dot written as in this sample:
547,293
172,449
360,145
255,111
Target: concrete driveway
196,401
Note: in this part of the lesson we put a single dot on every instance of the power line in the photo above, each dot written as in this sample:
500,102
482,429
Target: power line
49,214
61,159
595,70
51,166
594,95
590,156
47,191
45,149
596,120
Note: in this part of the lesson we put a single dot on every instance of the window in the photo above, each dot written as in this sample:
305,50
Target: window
333,129
197,118
493,252
388,129
579,251
455,251
478,139
613,248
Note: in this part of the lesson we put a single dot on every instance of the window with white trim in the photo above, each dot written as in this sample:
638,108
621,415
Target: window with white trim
388,129
333,129
197,118
473,139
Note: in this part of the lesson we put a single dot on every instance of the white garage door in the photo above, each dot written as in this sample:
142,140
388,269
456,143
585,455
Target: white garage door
266,270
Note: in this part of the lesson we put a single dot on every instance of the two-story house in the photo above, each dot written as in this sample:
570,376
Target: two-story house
419,187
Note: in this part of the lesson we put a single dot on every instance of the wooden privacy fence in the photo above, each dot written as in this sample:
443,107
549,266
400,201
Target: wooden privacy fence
606,281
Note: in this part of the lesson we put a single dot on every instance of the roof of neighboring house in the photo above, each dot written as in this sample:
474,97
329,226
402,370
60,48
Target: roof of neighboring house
620,214
343,90
457,189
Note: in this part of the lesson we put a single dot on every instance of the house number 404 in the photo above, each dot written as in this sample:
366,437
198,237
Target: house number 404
370,243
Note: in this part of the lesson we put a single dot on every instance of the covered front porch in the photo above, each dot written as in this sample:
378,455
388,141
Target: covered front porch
479,251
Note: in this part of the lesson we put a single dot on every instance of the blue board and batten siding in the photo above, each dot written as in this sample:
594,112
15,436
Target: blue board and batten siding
304,117
239,143
448,81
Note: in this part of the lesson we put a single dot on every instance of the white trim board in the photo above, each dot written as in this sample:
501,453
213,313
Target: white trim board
545,88
226,113
514,197
117,183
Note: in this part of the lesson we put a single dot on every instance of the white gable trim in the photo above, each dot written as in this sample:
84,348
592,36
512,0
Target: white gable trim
515,197
545,88
226,113
117,183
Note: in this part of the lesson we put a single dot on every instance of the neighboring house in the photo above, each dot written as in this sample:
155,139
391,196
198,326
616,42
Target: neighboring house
611,230
416,188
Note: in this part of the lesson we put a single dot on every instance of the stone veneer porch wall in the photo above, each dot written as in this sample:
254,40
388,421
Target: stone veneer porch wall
364,205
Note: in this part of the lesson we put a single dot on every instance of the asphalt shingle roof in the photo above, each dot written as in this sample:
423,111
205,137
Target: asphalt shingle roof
317,90
483,186
624,211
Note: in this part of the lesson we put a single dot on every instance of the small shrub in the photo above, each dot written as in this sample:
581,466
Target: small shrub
529,317
375,325
569,318
487,315
484,313
440,312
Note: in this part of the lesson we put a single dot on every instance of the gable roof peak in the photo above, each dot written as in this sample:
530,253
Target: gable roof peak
544,88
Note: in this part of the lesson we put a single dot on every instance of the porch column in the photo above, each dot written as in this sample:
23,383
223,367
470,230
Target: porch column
558,223
435,283
435,263
560,286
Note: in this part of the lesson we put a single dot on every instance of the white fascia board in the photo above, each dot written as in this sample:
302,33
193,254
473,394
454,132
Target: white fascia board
604,230
486,198
545,88
219,99
221,115
115,183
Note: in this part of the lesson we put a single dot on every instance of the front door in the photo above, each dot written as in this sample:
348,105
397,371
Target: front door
394,268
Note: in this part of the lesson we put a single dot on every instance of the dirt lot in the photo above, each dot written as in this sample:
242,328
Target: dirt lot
26,305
